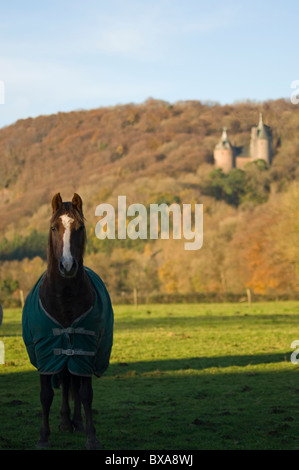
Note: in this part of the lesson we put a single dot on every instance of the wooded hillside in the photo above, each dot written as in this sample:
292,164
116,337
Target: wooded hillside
152,153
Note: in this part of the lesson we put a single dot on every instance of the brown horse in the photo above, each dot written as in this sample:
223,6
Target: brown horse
64,298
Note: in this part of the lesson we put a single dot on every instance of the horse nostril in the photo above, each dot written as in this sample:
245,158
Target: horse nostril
74,266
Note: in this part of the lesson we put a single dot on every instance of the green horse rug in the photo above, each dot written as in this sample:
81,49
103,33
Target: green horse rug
84,347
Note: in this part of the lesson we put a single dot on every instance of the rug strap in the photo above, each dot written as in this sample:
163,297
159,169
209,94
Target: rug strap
72,352
71,331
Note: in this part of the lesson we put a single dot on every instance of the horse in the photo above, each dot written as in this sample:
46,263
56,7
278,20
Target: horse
68,323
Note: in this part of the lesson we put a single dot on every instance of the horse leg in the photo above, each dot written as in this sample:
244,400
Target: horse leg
86,396
46,398
77,418
65,412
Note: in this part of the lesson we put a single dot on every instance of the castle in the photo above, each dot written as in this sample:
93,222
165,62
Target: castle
226,156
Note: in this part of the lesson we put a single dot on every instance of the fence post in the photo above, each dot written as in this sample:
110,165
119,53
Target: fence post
22,297
248,291
135,297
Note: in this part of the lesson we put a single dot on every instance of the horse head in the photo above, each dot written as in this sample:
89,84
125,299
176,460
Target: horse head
67,235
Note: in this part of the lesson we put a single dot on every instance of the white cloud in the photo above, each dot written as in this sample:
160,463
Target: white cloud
219,19
122,41
150,34
34,87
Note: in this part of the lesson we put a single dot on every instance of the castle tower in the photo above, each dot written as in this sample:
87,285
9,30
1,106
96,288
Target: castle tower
260,146
253,142
224,153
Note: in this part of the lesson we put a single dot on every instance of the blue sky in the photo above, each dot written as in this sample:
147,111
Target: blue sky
72,54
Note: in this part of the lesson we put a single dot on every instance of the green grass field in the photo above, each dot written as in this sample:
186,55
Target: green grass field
184,376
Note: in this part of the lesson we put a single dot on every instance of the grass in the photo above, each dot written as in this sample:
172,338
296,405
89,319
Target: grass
183,376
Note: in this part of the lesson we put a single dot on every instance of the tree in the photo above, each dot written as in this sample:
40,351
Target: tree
9,286
238,186
234,187
257,182
230,187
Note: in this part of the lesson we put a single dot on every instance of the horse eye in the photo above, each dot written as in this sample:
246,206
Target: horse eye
53,228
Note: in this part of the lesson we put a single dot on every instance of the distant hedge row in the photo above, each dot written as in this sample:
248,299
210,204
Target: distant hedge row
21,247
200,297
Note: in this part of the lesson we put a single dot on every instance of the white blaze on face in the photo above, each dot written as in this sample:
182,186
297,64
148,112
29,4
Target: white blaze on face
67,259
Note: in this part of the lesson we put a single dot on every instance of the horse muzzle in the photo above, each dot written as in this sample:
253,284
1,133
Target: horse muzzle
68,268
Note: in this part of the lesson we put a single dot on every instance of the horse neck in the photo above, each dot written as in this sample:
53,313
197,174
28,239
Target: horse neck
66,298
59,284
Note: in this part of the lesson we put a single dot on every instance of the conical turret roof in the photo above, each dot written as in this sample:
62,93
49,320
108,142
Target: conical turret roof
224,143
261,129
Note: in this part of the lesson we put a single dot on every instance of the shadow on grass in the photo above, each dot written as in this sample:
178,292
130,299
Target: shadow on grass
199,363
140,406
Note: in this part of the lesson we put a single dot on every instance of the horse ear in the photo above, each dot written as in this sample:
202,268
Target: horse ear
56,202
77,202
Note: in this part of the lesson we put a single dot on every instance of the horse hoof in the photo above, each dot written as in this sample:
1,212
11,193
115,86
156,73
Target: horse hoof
93,444
43,444
66,427
79,428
